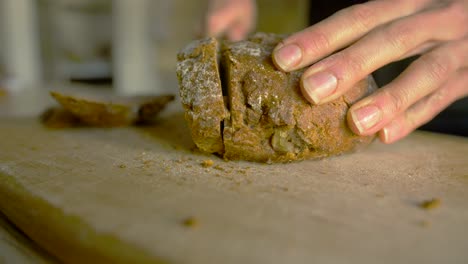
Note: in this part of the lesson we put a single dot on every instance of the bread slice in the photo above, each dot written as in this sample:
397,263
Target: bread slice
268,119
201,93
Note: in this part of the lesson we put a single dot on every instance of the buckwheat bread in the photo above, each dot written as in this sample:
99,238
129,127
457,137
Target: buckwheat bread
267,119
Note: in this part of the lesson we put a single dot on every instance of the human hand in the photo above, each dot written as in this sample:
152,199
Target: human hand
368,36
234,18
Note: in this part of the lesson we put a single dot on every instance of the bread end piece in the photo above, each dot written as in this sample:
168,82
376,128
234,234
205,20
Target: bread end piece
201,93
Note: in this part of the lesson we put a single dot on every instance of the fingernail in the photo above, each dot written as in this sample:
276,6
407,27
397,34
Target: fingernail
319,86
366,117
287,56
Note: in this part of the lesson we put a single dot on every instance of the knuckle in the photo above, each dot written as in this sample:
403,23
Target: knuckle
316,41
355,64
398,101
362,15
400,36
438,68
457,13
349,66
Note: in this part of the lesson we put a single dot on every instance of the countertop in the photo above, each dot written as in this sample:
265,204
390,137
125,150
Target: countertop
144,195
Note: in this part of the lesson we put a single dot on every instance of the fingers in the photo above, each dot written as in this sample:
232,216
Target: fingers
333,76
235,18
338,31
221,19
421,78
424,110
238,31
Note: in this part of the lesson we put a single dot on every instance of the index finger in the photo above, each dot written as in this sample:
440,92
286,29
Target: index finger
338,31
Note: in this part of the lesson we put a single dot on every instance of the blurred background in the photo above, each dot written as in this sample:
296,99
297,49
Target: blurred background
128,44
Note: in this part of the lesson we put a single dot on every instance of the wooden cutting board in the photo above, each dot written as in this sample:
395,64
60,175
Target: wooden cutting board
133,195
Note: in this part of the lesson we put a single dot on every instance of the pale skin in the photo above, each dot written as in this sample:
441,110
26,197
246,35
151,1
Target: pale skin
351,44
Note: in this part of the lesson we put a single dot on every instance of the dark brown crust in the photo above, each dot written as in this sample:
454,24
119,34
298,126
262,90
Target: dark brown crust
270,121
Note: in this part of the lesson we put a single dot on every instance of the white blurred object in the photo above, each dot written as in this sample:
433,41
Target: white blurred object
84,40
134,56
77,38
21,45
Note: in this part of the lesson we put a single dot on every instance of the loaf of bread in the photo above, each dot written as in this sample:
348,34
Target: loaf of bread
239,105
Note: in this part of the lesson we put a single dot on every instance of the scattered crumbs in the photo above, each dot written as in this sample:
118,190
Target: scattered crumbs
190,222
122,166
217,175
188,166
217,167
242,172
430,204
178,161
147,163
207,163
424,223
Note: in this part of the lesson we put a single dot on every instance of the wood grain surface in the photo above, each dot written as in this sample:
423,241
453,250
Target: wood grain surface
144,195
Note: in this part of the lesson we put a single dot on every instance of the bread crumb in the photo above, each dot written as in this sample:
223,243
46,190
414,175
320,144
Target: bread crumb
424,223
190,222
430,204
207,163
147,163
122,166
217,167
